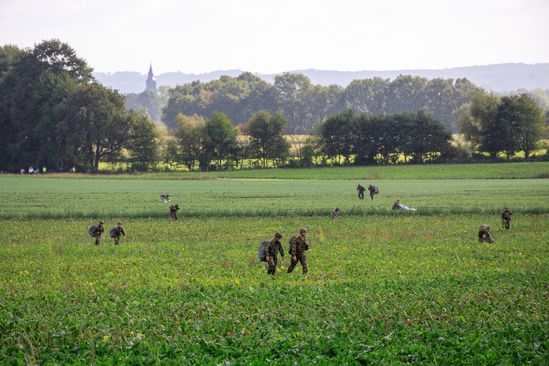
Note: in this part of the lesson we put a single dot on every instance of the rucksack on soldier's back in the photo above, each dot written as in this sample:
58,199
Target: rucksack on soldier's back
290,242
92,230
262,251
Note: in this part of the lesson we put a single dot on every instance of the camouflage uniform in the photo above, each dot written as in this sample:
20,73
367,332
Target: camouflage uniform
115,233
298,246
373,191
506,218
96,231
173,211
360,190
273,249
484,235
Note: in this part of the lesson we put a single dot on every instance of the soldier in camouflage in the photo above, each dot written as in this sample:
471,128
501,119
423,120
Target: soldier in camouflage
273,249
173,211
484,235
506,218
298,246
96,230
360,189
115,232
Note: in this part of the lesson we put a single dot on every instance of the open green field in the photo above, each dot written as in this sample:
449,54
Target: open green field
382,288
534,170
76,198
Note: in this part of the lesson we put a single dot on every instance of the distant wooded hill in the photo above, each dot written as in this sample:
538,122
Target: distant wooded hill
497,78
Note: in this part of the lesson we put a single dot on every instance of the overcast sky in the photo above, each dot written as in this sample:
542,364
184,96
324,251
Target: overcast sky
278,35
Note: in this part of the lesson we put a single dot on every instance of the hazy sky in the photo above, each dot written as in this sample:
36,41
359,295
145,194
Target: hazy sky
279,35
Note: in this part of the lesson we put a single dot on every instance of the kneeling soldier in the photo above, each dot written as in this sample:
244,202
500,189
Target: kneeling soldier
173,211
298,246
273,249
95,231
115,232
484,235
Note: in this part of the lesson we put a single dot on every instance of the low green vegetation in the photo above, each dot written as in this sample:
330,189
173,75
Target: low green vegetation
383,287
97,198
380,290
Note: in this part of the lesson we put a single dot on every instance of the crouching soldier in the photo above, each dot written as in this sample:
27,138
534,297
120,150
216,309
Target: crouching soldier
273,248
484,235
373,191
360,189
335,213
115,232
95,231
173,211
506,218
298,246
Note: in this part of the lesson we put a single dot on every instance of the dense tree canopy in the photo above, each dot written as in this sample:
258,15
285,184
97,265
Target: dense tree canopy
305,105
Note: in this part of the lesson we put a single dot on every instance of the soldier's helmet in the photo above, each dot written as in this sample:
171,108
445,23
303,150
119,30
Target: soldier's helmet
302,230
101,222
119,223
278,235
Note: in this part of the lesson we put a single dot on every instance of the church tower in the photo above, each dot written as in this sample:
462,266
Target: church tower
150,86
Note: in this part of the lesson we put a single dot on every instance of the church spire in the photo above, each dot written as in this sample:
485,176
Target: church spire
150,85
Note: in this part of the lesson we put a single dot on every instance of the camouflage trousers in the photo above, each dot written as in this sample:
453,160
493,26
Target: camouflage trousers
271,265
116,239
361,195
97,239
301,259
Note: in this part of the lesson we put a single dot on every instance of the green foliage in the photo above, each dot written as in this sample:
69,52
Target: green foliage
382,138
142,144
382,290
219,140
508,124
267,136
317,196
304,105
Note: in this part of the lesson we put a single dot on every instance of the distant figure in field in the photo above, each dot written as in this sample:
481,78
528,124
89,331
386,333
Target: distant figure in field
360,190
373,191
506,218
484,235
173,211
335,213
22,171
165,197
95,231
115,232
399,206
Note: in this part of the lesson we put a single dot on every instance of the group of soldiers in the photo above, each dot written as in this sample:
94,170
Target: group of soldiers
371,188
298,245
484,235
116,232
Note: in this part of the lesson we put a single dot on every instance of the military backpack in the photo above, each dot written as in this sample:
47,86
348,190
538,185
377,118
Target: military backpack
262,251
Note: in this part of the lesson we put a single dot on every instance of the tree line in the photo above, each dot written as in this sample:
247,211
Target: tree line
54,115
305,105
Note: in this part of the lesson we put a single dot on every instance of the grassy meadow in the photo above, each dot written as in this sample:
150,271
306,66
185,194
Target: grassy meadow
382,288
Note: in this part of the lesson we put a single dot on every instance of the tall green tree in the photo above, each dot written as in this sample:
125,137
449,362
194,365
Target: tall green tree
142,145
521,121
267,136
220,142
95,125
336,135
190,136
33,84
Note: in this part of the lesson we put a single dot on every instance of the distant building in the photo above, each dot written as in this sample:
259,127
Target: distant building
150,86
